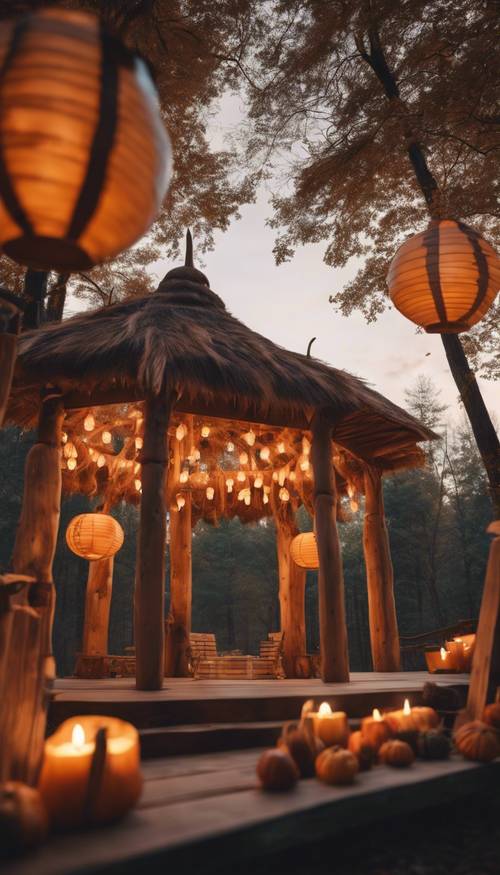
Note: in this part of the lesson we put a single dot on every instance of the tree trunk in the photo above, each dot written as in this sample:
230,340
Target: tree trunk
149,603
97,607
292,584
332,624
178,648
34,293
10,323
57,298
384,633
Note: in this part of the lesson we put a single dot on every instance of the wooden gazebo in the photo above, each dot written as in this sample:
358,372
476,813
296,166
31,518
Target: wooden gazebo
208,418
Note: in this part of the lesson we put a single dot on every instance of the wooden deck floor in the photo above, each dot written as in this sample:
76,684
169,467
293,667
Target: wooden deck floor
204,813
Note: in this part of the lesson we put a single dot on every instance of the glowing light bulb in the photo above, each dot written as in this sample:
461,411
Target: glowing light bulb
275,476
265,454
106,437
101,460
249,437
292,476
205,431
78,736
138,484
443,653
64,437
280,447
241,477
350,490
304,464
282,477
284,494
71,464
354,505
181,432
241,495
230,447
139,443
210,492
196,455
184,476
89,422
265,498
306,446
324,709
406,707
181,501
248,499
229,484
243,458
258,482
376,715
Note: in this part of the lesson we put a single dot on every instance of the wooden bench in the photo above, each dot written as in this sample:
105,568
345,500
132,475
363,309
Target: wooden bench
208,665
413,646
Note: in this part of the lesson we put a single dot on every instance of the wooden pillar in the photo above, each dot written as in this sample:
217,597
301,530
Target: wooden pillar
38,526
332,624
178,649
10,320
384,633
97,607
150,572
292,583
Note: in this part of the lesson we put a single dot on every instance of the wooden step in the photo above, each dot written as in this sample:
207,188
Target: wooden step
164,741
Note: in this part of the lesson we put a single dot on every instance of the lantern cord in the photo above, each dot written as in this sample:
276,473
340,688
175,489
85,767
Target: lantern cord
188,262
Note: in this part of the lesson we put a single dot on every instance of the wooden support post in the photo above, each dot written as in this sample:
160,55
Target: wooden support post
485,674
10,322
36,536
384,633
178,649
292,583
97,607
150,573
332,623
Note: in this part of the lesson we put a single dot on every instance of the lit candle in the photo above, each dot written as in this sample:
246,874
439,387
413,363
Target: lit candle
375,730
439,660
91,771
457,653
331,727
402,719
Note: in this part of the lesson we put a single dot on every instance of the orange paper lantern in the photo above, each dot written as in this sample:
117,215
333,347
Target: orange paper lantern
304,550
84,156
94,536
445,278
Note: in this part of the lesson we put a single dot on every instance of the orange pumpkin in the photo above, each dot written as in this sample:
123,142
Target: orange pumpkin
491,715
366,754
277,771
396,753
24,822
296,743
478,741
425,718
335,765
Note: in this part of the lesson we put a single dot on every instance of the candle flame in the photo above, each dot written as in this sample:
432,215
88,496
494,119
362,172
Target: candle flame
377,715
324,709
78,736
444,653
406,707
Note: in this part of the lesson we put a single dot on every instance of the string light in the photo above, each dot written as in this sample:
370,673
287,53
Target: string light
70,451
265,454
205,431
275,476
89,422
247,500
210,492
229,484
241,476
265,498
181,432
350,490
230,447
280,447
138,484
258,482
184,476
284,494
137,467
71,464
181,501
243,458
306,446
281,477
64,437
292,476
304,464
106,437
101,460
354,505
139,443
249,437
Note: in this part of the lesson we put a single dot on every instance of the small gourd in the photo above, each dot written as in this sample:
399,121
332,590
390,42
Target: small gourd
491,715
433,745
295,742
366,754
335,765
23,819
425,717
277,771
396,753
477,741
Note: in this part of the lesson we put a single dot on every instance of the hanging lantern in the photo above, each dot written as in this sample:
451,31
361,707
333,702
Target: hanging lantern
85,157
304,550
445,278
94,536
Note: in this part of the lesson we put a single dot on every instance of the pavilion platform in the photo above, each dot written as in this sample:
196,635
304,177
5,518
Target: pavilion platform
194,716
205,813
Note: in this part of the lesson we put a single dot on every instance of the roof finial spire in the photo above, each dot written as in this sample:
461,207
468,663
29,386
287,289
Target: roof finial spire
188,262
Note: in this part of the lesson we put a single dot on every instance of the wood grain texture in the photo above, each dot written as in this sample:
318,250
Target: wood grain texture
485,674
149,602
332,622
97,607
177,644
8,352
384,635
292,584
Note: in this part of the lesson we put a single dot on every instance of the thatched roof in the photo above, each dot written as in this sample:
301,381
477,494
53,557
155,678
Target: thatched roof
182,336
